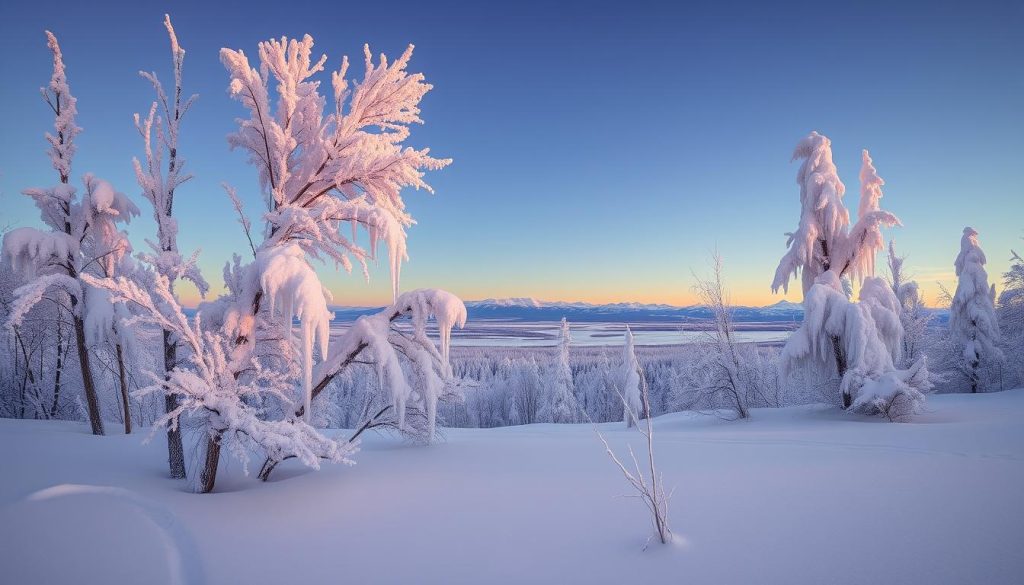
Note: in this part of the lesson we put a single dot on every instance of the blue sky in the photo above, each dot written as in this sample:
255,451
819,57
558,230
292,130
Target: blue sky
602,150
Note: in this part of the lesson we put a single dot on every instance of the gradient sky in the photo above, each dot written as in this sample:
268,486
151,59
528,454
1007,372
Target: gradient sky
602,150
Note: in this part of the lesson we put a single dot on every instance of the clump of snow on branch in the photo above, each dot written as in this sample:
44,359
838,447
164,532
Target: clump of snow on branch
410,367
294,291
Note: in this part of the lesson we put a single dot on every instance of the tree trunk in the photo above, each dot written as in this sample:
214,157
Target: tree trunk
208,477
974,377
175,451
91,399
840,355
122,378
57,372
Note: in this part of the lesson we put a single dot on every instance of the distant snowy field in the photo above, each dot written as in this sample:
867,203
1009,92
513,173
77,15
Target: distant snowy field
800,495
509,333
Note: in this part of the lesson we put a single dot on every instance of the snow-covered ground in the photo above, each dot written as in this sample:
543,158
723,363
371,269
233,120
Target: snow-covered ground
800,495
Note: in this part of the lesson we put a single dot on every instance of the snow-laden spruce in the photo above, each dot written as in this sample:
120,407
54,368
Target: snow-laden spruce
1011,314
860,341
972,316
560,406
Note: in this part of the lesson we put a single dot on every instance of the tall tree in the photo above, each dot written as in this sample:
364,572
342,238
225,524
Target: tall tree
81,234
630,381
158,183
560,405
1011,313
825,249
318,173
972,316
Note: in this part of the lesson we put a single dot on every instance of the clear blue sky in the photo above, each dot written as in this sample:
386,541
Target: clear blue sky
602,150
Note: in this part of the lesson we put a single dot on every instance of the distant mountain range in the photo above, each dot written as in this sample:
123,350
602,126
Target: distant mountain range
529,309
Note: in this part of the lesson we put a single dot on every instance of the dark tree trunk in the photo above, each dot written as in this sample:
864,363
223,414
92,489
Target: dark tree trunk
840,356
91,400
208,477
974,377
123,379
58,371
175,451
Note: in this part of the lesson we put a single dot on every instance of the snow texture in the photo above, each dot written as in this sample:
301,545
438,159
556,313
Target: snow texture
802,476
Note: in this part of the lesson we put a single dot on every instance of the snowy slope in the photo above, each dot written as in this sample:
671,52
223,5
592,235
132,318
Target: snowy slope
804,495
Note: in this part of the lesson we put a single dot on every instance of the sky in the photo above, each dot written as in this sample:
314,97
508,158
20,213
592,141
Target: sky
602,150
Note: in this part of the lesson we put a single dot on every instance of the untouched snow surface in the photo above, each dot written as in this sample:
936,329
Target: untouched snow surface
801,495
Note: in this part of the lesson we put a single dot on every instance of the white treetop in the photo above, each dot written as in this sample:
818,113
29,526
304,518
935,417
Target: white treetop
824,239
158,184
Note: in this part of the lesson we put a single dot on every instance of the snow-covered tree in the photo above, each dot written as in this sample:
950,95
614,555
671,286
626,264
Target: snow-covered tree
321,173
81,236
1011,313
914,316
972,317
160,132
560,405
861,339
630,379
871,335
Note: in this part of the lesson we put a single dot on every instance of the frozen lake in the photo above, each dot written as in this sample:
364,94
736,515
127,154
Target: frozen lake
501,333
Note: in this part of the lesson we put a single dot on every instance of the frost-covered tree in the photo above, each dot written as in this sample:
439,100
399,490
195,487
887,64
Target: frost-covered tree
321,174
871,336
861,339
630,379
972,316
1011,313
717,377
81,236
560,405
824,240
914,316
159,179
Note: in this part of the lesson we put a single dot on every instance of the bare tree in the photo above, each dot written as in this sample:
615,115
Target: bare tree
717,376
645,478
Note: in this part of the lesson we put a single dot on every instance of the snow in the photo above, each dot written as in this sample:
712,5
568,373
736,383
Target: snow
972,317
630,382
799,496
